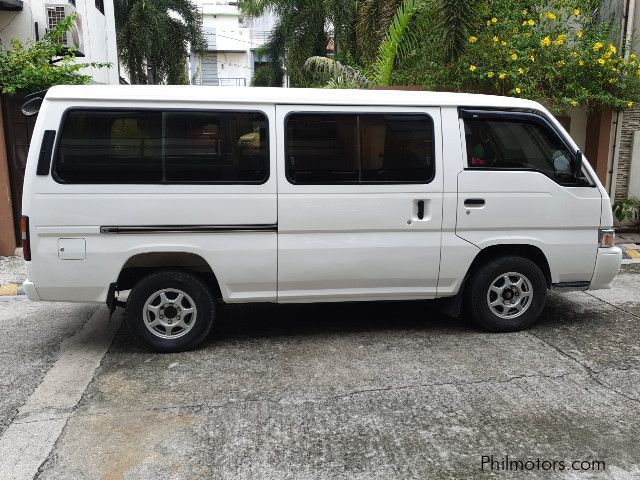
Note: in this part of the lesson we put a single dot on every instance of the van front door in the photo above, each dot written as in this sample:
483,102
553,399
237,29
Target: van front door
359,202
521,185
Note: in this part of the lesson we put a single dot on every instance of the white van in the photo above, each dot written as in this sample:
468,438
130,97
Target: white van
189,195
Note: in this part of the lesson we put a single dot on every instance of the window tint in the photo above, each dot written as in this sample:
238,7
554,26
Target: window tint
364,148
110,147
216,147
322,148
515,144
396,148
129,147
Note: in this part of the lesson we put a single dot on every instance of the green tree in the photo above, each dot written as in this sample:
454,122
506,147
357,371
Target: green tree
28,68
154,37
303,31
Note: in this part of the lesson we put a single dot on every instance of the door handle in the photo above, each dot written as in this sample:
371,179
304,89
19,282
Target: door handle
474,202
420,209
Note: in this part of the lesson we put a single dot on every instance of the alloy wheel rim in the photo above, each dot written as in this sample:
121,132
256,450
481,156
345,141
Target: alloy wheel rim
510,295
169,313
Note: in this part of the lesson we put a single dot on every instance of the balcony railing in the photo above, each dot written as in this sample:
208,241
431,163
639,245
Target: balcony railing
222,82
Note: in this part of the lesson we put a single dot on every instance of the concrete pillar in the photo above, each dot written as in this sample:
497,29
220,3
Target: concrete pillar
7,231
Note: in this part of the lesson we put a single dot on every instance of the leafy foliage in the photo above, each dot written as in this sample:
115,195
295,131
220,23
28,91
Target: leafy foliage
555,52
153,38
628,209
301,32
28,68
455,19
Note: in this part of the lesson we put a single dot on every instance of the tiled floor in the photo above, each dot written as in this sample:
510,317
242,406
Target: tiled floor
630,245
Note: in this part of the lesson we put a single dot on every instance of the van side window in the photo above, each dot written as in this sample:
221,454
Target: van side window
359,148
517,145
216,147
99,146
110,147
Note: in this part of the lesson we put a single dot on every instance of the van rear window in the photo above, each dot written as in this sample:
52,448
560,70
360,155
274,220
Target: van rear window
151,146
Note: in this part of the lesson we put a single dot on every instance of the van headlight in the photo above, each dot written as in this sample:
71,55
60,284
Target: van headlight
607,237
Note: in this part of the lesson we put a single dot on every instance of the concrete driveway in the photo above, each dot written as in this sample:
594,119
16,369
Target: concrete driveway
332,391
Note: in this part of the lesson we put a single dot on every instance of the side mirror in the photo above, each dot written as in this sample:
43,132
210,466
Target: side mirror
31,107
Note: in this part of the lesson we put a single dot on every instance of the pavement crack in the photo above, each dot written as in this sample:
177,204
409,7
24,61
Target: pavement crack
444,384
613,305
591,373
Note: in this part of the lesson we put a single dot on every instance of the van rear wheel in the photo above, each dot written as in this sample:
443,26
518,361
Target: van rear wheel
170,310
506,294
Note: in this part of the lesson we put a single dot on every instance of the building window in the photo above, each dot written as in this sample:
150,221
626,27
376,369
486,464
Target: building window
99,146
100,6
359,148
55,14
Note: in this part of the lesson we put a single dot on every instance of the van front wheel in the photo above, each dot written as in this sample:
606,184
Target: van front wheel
506,294
170,310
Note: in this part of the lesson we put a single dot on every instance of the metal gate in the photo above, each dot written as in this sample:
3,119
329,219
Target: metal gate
18,130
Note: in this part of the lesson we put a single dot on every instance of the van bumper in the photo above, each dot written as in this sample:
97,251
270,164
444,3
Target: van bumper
608,263
30,290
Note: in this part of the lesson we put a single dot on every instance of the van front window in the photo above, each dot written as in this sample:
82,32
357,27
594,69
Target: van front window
518,145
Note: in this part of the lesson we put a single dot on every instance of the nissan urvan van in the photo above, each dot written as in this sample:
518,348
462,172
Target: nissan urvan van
190,196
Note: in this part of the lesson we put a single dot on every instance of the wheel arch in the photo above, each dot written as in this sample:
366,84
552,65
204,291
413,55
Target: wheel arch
528,251
141,264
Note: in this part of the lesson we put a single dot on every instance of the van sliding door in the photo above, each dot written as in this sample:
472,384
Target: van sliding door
359,202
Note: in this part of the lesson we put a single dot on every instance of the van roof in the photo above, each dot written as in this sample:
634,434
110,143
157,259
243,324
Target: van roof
270,95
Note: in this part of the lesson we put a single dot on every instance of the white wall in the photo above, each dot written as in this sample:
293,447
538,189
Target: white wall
98,30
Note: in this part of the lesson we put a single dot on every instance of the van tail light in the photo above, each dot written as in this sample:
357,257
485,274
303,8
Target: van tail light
607,238
26,243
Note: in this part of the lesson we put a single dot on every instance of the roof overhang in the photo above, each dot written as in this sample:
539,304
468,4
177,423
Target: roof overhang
15,5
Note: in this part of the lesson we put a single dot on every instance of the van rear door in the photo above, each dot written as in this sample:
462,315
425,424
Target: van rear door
359,202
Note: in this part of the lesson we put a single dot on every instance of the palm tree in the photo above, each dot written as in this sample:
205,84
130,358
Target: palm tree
303,30
154,36
453,21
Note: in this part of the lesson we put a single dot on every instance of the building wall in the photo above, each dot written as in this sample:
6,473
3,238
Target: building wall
630,124
98,31
231,41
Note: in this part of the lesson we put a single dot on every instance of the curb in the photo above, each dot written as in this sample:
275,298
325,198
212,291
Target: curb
11,289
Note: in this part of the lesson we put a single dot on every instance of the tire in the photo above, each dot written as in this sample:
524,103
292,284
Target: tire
170,311
506,294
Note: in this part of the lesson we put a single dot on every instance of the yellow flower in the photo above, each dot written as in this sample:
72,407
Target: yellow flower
531,22
581,62
580,34
473,68
473,39
533,59
521,71
577,12
602,61
630,104
488,23
633,55
514,56
561,63
598,46
560,40
502,76
494,20
574,54
551,16
490,74
518,90
613,80
612,48
525,12
545,42
503,43
496,39
574,103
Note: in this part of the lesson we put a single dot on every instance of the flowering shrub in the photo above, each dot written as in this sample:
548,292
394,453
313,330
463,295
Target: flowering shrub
556,54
